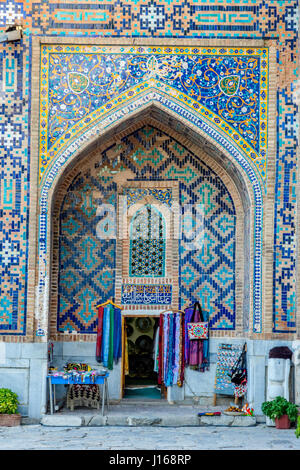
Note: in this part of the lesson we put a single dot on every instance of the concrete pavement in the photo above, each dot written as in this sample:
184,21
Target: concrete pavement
39,437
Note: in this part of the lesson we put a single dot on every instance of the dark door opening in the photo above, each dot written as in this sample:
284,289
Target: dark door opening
141,370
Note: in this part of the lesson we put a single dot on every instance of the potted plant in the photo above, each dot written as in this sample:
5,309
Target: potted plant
280,410
8,408
297,432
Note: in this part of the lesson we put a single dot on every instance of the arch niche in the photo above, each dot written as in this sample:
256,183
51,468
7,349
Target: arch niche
210,145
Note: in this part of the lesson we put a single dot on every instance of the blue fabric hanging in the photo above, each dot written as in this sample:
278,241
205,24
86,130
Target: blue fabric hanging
169,364
105,340
117,334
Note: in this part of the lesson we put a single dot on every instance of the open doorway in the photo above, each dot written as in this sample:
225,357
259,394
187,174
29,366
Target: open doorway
140,368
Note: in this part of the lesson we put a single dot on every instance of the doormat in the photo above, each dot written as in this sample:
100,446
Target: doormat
142,393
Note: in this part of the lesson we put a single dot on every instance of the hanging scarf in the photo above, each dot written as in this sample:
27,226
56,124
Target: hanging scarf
171,359
170,351
99,334
205,361
181,379
160,346
165,346
117,334
156,350
196,352
126,358
109,335
105,336
176,347
180,374
187,319
110,364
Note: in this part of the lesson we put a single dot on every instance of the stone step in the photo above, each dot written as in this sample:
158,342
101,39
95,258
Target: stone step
124,419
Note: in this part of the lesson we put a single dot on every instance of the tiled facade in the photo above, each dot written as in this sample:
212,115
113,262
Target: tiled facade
238,46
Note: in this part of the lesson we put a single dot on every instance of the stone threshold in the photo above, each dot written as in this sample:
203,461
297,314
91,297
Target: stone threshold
144,414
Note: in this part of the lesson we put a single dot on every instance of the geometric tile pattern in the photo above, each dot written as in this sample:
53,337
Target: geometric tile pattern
207,257
286,21
207,249
14,186
285,246
198,18
147,243
86,262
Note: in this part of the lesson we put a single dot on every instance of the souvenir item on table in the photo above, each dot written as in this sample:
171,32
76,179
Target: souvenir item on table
78,376
196,329
171,344
210,413
143,324
196,353
83,395
77,366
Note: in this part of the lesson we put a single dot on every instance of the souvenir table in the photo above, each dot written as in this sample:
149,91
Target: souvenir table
78,378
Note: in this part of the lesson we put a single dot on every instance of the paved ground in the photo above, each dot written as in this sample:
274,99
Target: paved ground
38,437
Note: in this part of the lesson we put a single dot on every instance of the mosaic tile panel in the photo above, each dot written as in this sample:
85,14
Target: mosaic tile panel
227,86
14,186
207,254
147,243
86,262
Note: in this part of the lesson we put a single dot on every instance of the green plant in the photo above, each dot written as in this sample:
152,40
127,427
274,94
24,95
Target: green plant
297,432
278,407
8,401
